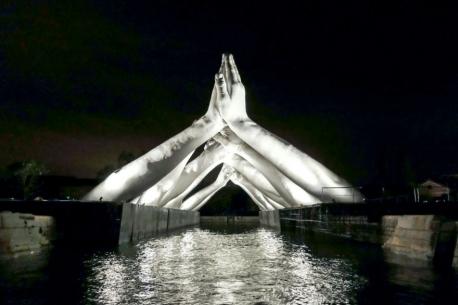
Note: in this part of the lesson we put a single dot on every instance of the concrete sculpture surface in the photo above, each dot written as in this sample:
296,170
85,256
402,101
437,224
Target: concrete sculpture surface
274,173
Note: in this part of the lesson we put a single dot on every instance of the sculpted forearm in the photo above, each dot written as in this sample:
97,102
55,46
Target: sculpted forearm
199,199
193,174
196,201
256,178
136,177
254,164
254,194
155,194
303,170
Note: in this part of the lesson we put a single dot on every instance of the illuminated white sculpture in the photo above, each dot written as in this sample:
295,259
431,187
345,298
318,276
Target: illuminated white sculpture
274,173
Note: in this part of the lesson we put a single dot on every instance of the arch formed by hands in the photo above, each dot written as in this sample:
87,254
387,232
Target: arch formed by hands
274,173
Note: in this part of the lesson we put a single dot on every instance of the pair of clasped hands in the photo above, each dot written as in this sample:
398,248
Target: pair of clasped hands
227,103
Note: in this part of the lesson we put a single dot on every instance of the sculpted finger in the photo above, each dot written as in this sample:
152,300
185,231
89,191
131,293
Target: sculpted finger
213,106
221,139
221,67
236,176
210,144
225,131
227,72
221,88
213,96
234,71
228,171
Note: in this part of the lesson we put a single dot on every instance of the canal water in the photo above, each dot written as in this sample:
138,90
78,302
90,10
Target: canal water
224,264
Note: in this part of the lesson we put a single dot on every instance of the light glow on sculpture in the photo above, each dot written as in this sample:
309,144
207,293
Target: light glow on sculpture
274,173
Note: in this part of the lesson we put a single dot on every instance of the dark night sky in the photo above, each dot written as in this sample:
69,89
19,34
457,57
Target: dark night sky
368,89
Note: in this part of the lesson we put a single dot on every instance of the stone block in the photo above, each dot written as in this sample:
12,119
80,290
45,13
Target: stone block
419,222
44,221
15,240
414,236
25,232
16,220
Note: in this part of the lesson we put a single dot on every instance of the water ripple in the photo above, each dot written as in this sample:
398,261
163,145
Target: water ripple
203,267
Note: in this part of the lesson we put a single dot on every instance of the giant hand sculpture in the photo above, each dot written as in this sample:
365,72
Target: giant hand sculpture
274,173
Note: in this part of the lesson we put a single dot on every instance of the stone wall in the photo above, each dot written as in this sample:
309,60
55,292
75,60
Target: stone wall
270,218
140,221
321,219
229,219
180,218
430,238
87,223
24,233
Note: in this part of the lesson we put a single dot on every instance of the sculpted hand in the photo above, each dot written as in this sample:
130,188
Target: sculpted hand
229,140
212,113
231,136
236,177
225,174
230,92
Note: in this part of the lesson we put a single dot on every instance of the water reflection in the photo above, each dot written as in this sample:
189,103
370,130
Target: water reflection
205,267
224,265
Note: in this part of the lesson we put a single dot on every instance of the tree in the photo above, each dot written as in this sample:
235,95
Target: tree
29,173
